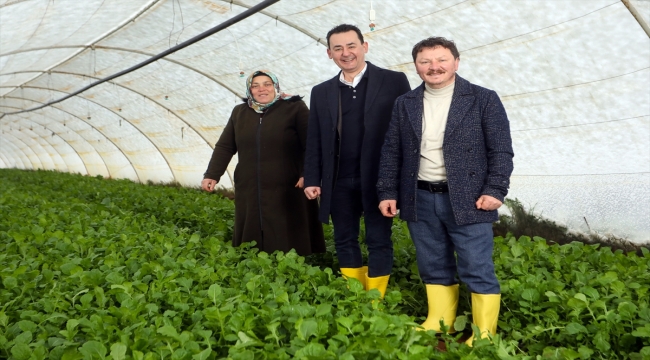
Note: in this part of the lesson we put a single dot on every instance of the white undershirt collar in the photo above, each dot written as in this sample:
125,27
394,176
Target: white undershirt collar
356,80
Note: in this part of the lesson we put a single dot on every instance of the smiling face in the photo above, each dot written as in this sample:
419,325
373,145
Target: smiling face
348,52
262,89
436,66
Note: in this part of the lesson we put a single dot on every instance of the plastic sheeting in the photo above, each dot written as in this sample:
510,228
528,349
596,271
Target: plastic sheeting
574,77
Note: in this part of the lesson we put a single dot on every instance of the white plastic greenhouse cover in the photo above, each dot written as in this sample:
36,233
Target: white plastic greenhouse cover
574,76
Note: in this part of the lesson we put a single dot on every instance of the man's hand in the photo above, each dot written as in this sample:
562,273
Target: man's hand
300,183
388,208
487,202
312,192
208,184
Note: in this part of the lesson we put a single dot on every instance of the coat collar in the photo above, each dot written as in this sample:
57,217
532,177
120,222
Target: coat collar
461,101
375,80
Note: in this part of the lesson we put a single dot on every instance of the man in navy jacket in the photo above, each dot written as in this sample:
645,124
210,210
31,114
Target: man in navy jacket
349,116
446,164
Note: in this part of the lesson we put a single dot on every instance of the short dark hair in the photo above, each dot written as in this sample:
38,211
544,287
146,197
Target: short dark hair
433,42
343,28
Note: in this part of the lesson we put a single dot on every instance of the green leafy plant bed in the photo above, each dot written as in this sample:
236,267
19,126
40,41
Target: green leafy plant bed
92,268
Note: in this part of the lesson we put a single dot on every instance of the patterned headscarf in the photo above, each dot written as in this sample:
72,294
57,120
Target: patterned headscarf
276,84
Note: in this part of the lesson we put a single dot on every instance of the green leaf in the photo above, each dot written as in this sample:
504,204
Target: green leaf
581,297
306,328
591,292
21,351
24,338
203,355
642,331
26,325
530,295
244,338
460,323
70,268
517,250
214,292
627,310
323,309
10,282
118,351
575,328
168,330
312,350
93,350
345,321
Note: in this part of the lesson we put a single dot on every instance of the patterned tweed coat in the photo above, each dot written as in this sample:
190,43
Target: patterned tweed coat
477,150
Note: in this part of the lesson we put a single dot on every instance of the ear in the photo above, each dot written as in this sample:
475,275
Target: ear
457,63
329,53
365,47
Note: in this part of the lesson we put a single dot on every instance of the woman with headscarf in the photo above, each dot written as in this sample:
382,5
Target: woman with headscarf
268,131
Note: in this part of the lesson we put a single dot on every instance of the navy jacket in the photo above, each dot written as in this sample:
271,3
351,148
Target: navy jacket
477,150
384,86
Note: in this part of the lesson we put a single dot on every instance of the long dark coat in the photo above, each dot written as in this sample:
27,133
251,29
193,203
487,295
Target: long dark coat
477,149
268,207
384,86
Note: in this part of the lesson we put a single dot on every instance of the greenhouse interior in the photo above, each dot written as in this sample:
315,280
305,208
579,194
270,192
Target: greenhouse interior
142,90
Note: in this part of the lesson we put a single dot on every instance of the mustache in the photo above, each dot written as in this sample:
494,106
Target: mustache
433,72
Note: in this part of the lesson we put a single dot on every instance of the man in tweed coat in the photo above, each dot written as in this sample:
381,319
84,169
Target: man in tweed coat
446,163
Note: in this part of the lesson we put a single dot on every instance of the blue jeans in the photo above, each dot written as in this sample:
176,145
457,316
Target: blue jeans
436,236
346,210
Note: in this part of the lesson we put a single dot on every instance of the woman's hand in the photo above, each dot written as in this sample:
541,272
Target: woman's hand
208,184
300,183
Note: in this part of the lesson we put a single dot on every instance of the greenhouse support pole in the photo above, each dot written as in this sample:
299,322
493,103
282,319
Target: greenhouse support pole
637,16
255,9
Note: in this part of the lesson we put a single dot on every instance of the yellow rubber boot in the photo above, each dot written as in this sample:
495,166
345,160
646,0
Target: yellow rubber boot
443,302
356,273
485,313
380,283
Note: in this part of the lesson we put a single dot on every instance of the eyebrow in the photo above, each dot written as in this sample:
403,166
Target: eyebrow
348,44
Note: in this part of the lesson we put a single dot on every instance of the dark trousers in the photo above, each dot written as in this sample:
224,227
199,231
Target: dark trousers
346,210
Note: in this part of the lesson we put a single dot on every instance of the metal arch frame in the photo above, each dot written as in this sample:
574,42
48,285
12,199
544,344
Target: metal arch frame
34,153
54,154
114,83
99,131
253,10
66,141
5,161
637,15
162,154
18,152
109,33
102,106
278,18
15,152
116,49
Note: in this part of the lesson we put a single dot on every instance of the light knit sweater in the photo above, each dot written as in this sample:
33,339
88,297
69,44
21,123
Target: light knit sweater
434,120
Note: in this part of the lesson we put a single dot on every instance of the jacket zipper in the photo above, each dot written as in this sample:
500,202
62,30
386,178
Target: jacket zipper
259,183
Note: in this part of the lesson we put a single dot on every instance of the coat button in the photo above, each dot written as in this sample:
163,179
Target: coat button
472,174
411,174
381,182
411,198
470,150
415,151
